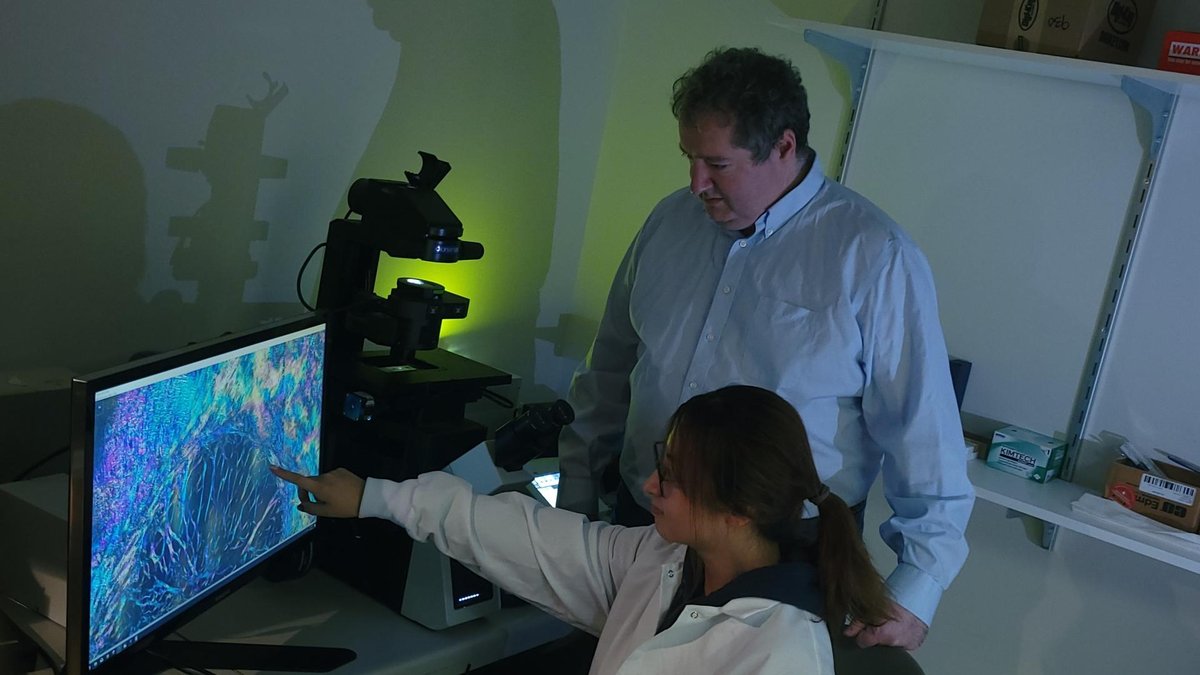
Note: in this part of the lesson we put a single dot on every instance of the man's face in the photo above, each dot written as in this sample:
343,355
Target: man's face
735,190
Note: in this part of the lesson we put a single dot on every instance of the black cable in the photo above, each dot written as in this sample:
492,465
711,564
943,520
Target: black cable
498,399
300,275
41,462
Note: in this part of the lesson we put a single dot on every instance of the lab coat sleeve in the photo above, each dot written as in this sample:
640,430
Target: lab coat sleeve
555,559
600,395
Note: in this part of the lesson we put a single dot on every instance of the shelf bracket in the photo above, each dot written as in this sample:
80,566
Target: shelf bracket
1157,102
1049,530
1049,534
856,59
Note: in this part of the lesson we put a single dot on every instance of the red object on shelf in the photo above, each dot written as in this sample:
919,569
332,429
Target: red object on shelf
1180,52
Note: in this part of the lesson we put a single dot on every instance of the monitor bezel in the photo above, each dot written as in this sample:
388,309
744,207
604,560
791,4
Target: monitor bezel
83,393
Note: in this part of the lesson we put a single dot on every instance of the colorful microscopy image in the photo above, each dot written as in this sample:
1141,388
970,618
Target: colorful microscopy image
182,498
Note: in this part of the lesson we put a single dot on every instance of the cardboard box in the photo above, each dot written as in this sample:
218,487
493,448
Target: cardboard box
1026,453
1180,52
1171,501
1098,30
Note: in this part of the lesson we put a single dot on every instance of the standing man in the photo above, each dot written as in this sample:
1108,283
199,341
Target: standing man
765,272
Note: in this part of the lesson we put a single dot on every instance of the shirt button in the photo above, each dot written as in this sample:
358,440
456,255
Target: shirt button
742,244
695,615
709,337
692,385
670,574
726,290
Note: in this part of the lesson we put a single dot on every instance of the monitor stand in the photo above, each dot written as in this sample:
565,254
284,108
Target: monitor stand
237,656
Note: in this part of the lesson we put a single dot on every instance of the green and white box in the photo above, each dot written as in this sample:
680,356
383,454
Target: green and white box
1026,453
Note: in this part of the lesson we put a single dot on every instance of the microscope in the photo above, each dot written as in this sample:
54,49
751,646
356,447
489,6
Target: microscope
395,402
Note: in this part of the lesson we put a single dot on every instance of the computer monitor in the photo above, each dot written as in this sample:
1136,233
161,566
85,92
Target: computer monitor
545,485
172,505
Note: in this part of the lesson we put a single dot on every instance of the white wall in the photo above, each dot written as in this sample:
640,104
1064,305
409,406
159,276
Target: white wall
1017,188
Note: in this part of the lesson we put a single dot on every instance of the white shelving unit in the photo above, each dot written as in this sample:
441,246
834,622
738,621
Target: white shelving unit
1158,93
1001,59
1051,503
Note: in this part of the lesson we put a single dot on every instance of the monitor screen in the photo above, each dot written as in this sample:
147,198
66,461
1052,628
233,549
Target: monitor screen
546,485
171,498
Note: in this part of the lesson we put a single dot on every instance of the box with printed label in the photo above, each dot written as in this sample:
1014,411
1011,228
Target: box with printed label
1180,52
1171,500
1026,453
1098,30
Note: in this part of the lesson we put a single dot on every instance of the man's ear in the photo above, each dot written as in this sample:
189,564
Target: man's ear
786,145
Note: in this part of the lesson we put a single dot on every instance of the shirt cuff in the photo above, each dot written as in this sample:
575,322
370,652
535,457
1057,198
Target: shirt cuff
915,591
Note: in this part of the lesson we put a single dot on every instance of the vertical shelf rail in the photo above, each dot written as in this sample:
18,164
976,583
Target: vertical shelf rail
1160,105
856,59
877,17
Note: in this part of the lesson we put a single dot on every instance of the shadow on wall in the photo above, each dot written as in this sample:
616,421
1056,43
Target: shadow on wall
214,245
223,229
72,237
478,84
72,253
72,229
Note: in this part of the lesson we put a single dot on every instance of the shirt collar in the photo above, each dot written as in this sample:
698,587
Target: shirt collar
792,583
781,212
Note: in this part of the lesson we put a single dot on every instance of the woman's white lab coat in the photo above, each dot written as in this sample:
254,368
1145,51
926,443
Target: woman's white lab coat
611,581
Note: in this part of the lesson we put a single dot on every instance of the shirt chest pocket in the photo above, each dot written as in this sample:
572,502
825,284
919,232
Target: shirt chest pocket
811,352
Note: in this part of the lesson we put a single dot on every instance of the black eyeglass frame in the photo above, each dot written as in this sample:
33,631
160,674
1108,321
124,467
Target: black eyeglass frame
660,449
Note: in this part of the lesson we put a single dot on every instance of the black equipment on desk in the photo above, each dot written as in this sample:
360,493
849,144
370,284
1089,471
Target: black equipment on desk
399,410
532,432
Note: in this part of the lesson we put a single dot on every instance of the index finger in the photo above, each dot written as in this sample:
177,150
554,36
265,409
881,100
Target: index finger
294,478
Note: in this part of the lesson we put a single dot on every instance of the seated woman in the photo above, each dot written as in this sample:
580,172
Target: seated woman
727,580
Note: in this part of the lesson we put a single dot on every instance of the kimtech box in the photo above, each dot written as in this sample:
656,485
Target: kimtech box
1170,500
1097,30
1026,453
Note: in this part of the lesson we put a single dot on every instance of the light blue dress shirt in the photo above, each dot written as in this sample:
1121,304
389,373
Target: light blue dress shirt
830,304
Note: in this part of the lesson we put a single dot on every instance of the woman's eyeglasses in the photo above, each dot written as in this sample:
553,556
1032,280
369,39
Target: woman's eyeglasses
660,449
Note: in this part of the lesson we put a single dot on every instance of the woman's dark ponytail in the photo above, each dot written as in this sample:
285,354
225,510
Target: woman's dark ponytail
852,585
